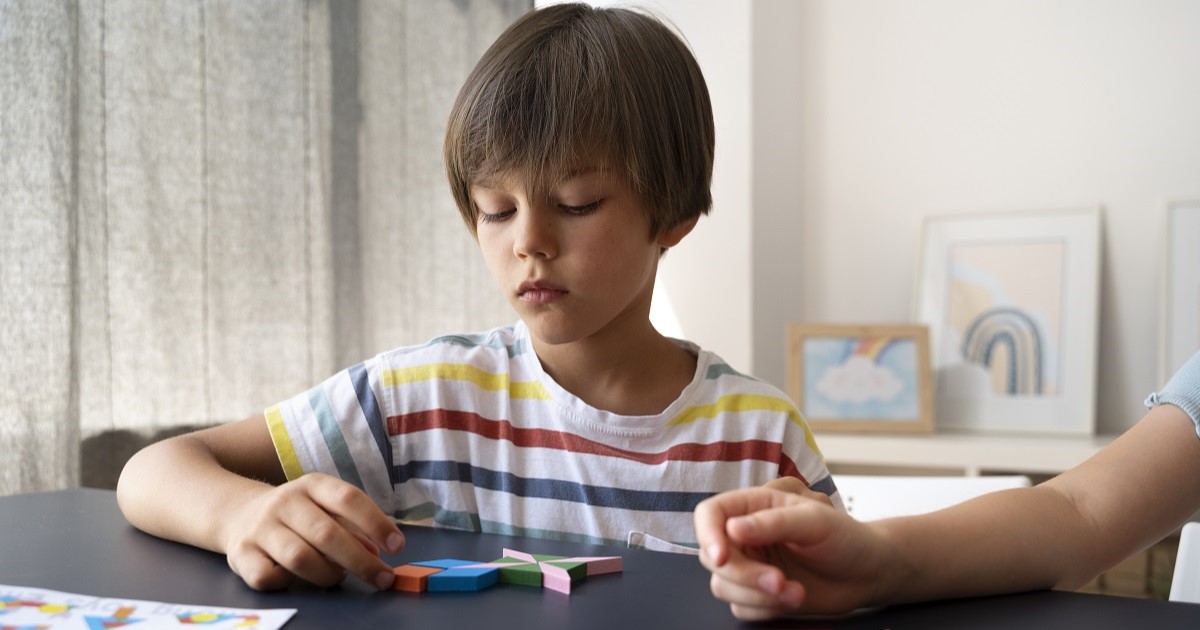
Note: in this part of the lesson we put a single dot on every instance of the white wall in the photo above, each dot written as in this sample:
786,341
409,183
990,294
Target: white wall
842,123
707,279
938,106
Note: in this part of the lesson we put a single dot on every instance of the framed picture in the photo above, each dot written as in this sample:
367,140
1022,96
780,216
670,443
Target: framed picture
861,378
1181,288
1012,302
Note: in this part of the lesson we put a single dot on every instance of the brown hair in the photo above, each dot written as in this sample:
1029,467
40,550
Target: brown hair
571,85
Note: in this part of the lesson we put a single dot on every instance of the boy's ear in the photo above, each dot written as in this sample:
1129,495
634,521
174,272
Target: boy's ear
671,237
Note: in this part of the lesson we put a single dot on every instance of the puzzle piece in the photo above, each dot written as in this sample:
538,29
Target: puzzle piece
517,571
412,578
459,575
557,573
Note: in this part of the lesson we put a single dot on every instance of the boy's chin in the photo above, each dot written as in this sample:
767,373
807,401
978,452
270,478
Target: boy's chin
550,328
551,335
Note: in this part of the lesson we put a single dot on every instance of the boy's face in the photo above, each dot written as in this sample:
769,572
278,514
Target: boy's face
577,263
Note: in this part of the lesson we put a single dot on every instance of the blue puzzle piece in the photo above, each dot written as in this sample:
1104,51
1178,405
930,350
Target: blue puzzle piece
457,579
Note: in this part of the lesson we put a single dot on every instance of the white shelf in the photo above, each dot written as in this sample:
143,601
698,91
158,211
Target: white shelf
971,453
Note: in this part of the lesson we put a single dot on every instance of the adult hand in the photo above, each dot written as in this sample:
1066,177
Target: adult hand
317,528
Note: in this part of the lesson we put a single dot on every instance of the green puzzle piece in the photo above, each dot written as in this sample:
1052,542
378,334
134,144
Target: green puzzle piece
527,574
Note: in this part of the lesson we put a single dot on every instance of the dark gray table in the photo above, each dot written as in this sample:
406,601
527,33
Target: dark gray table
78,541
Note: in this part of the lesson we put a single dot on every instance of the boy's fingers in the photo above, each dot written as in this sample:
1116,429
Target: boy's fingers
371,547
294,553
336,547
259,572
355,508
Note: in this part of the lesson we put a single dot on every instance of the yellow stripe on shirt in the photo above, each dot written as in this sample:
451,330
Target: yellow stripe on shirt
467,373
283,444
735,403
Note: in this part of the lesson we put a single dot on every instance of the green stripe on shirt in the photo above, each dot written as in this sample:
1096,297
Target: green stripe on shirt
333,437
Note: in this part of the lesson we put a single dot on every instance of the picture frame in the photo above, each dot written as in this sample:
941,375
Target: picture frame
1180,327
1012,302
861,378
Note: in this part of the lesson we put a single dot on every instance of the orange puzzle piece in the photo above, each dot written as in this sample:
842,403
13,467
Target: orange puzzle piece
412,578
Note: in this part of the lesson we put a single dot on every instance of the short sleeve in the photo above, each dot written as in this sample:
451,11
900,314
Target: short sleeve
1183,391
335,428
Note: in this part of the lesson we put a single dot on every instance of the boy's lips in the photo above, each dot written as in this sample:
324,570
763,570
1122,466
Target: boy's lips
540,292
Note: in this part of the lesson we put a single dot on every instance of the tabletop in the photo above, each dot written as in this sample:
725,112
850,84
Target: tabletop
77,541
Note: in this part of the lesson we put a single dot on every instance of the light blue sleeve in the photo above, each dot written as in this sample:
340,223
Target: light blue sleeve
1183,391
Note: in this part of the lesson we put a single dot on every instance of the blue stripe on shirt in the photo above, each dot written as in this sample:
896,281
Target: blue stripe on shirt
598,496
370,409
824,486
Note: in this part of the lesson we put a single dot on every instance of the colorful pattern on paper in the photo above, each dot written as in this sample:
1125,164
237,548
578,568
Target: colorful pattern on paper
24,608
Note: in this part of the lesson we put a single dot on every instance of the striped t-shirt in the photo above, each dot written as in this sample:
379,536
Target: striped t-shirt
468,432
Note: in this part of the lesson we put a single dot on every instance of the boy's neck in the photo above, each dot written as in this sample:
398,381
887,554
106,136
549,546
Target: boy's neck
632,376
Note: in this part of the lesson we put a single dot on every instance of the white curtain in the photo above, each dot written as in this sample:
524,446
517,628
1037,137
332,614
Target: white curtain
206,207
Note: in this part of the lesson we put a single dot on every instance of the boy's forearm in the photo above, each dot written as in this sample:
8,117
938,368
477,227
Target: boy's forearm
177,490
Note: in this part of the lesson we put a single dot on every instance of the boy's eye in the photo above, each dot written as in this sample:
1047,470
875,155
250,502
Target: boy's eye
581,210
494,217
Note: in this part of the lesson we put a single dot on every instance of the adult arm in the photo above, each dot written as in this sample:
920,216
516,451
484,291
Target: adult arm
772,553
223,489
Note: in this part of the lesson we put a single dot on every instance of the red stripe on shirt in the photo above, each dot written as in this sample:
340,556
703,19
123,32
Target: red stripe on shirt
723,451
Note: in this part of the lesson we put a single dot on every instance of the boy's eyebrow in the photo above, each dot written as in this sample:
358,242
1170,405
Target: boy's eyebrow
489,182
492,182
583,170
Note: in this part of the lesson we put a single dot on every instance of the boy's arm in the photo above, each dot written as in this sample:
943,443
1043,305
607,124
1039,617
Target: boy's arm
223,489
1058,534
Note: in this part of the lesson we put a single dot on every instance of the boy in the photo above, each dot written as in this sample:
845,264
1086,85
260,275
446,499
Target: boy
578,151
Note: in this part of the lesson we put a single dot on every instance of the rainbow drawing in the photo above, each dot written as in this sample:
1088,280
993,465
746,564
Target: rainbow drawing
1013,331
872,348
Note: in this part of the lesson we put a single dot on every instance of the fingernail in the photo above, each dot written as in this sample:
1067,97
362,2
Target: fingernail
712,551
768,583
384,580
395,542
791,595
746,523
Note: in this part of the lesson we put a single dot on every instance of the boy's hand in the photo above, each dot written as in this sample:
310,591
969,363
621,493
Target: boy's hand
316,527
773,552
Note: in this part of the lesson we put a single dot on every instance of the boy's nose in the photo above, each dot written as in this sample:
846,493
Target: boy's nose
535,235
